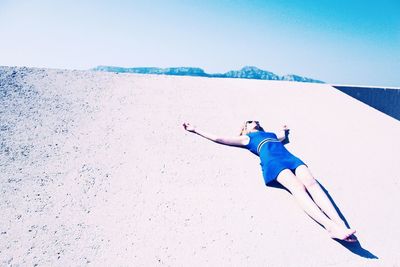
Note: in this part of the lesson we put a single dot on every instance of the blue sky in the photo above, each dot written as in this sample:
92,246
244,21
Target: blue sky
341,42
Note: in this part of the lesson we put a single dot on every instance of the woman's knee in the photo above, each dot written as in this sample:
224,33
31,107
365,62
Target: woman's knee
298,187
305,177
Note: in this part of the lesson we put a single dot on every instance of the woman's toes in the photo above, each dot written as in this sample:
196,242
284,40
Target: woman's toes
351,238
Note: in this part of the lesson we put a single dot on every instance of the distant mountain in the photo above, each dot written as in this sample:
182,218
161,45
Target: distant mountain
251,73
181,71
247,72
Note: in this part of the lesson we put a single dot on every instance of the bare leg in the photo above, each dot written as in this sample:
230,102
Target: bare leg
319,196
298,190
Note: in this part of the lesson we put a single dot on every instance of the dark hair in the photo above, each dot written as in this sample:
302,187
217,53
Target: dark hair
244,127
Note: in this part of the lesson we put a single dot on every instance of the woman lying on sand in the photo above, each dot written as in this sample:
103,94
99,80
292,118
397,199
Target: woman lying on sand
278,164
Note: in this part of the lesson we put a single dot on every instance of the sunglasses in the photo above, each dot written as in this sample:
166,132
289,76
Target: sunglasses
252,121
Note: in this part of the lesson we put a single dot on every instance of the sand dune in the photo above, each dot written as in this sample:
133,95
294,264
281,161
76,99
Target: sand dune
95,168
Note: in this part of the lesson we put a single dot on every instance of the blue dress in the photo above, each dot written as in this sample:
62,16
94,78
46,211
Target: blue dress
273,154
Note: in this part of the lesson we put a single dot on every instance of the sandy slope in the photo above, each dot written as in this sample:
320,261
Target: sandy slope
96,168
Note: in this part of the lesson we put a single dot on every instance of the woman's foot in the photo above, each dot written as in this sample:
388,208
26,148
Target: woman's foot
341,232
352,237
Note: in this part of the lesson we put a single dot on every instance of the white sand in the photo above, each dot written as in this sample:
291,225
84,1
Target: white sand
96,168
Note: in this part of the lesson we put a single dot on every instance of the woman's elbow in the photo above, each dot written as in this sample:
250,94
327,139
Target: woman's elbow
222,141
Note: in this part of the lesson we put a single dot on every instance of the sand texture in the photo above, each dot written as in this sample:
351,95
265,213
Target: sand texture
96,169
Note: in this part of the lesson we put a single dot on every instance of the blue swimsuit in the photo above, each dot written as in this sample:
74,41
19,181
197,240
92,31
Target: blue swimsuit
273,155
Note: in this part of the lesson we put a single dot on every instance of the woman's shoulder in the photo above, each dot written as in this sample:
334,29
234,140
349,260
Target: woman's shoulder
246,139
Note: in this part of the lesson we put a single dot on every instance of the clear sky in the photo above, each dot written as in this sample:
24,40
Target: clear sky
337,41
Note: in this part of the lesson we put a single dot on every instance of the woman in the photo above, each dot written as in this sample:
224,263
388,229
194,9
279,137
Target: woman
278,164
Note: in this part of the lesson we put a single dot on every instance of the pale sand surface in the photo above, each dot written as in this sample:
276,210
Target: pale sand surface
95,168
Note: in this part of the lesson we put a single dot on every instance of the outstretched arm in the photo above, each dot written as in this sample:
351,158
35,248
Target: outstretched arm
230,141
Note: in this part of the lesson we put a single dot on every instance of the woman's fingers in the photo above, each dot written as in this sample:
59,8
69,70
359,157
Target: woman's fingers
187,126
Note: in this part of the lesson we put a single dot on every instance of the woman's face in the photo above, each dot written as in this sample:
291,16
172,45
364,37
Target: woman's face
252,125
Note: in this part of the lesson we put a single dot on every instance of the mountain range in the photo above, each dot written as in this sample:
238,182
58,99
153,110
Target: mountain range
247,72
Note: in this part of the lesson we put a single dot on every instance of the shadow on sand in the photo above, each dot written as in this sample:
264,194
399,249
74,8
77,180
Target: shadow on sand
354,247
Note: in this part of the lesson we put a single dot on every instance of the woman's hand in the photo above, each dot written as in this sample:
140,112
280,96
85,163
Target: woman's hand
188,127
285,128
